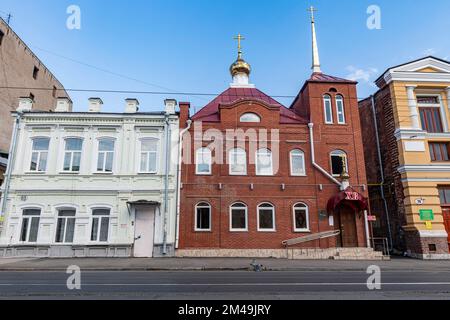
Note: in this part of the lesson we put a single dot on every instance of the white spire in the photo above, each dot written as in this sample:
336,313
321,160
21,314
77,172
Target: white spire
315,47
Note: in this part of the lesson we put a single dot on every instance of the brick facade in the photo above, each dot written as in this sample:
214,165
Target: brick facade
282,190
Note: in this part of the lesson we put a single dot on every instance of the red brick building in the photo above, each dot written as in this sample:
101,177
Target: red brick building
251,178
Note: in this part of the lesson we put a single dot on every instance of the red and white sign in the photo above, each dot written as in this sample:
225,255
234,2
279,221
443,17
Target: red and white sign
352,196
372,218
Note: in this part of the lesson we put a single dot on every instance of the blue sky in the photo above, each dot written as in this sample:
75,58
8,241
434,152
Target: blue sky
188,46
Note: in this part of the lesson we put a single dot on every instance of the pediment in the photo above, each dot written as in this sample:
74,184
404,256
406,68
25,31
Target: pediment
426,65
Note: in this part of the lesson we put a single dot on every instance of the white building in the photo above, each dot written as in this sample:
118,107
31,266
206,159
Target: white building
91,183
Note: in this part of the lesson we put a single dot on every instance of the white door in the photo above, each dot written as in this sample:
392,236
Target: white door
144,232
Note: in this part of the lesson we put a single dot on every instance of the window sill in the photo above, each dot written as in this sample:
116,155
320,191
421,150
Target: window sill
203,174
103,173
70,172
35,172
298,175
267,231
148,173
302,231
239,230
203,231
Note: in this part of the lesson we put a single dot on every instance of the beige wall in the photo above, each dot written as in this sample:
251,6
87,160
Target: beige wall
17,63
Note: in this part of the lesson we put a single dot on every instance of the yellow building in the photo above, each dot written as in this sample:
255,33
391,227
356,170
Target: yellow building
407,149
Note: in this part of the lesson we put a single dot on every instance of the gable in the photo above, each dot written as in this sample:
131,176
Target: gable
430,64
428,70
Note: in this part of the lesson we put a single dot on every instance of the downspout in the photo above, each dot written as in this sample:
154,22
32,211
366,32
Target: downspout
180,154
313,157
380,162
9,168
166,180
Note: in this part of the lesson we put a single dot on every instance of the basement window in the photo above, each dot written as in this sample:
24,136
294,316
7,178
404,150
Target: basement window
432,247
35,73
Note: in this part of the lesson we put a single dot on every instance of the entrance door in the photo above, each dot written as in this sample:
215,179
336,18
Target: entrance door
347,218
446,213
144,232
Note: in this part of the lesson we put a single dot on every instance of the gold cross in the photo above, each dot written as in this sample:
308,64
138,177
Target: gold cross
312,10
239,38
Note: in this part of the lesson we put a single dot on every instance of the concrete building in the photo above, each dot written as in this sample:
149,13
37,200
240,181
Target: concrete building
258,176
21,68
91,183
406,145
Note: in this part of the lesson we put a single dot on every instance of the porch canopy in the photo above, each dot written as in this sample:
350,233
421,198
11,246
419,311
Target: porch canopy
350,198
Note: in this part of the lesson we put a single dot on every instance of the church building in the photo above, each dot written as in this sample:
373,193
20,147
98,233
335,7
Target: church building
260,179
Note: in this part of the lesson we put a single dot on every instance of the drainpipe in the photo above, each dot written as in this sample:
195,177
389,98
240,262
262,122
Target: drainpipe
380,162
9,168
166,179
180,149
313,157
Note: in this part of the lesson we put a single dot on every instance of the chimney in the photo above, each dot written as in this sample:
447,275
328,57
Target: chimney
184,113
25,104
170,106
63,104
95,105
131,105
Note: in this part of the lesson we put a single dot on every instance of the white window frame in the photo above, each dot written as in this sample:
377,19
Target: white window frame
72,152
256,118
242,207
30,219
439,105
272,208
39,155
306,207
258,153
338,153
327,98
147,154
105,155
199,206
231,156
291,157
340,105
65,224
99,226
203,150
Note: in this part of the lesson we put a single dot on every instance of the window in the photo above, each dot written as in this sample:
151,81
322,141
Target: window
266,217
72,156
301,218
65,228
39,154
100,225
264,162
338,163
297,163
431,120
30,225
340,110
203,161
444,195
54,92
238,217
35,72
105,155
250,117
32,97
439,151
238,162
328,109
149,155
203,217
1,37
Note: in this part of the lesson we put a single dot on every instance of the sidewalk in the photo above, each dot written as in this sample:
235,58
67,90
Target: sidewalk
214,264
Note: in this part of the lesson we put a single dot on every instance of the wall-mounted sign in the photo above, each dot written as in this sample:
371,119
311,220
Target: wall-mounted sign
372,218
323,215
420,202
426,215
429,225
352,196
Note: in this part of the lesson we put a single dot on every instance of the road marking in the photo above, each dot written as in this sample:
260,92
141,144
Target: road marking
226,284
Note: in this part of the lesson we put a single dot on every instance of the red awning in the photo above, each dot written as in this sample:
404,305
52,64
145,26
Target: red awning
350,198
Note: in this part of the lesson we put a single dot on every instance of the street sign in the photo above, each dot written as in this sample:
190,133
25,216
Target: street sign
372,218
426,215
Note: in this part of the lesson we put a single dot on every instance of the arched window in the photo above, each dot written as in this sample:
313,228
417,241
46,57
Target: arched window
340,110
250,117
105,157
238,162
203,217
301,217
39,154
264,165
238,217
30,225
266,217
72,155
328,109
297,163
203,161
149,155
338,162
100,225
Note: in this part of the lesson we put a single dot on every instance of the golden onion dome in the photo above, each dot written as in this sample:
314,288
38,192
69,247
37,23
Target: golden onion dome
240,66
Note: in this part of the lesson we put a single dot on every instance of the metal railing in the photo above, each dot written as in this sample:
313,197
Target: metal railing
381,244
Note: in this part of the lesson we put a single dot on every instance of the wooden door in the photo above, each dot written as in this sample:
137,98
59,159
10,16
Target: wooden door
446,213
349,238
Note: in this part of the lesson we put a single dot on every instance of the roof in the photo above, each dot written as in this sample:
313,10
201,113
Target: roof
210,113
321,77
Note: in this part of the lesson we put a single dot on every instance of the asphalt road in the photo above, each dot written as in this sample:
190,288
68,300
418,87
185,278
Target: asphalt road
226,285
